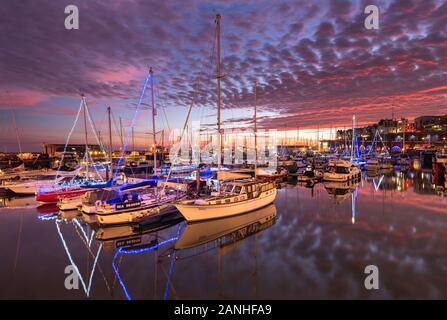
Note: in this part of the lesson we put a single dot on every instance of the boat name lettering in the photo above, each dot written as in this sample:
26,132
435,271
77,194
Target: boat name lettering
127,205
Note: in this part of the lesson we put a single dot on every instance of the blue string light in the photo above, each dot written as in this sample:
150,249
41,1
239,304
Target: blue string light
132,125
165,296
138,251
48,217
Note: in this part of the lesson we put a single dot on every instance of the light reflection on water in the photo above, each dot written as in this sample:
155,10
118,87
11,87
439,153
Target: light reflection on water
313,243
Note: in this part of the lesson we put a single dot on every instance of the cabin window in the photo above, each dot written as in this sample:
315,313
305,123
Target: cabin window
341,170
248,189
228,188
227,200
237,189
243,191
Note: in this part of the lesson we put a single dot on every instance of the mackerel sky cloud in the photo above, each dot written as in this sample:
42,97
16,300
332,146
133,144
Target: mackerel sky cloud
315,63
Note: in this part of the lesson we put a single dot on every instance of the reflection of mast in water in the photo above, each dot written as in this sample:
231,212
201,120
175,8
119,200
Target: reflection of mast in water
153,246
19,238
87,241
255,271
353,205
196,239
224,235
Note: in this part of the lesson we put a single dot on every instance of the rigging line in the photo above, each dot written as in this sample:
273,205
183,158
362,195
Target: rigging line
212,47
183,131
101,123
68,140
93,127
117,129
133,123
101,146
162,105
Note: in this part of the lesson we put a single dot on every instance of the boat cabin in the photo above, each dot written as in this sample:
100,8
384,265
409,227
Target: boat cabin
342,167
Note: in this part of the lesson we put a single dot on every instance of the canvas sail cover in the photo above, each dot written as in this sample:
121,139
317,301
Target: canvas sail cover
225,175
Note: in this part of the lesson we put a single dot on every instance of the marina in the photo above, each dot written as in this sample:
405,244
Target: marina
310,243
209,151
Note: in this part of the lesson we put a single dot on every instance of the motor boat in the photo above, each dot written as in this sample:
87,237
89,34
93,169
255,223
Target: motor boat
310,175
341,170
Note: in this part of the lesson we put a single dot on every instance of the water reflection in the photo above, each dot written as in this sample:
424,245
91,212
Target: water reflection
313,243
227,231
340,191
221,235
86,235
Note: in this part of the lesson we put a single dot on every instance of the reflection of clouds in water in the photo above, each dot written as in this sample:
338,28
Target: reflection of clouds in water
312,251
406,243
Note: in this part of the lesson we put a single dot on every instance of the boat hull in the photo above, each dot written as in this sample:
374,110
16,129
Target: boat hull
72,203
117,218
328,176
53,197
22,189
193,212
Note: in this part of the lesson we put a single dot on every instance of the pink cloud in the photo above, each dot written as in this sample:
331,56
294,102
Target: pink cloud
119,74
21,98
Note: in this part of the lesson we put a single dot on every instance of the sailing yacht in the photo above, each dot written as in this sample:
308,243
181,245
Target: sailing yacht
78,185
28,185
134,208
133,202
237,196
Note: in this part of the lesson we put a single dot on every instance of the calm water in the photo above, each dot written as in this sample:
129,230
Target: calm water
312,243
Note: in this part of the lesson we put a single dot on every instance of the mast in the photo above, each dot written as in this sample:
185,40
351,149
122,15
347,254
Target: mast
404,121
318,137
154,134
16,130
219,153
353,138
255,128
121,133
133,140
109,113
85,132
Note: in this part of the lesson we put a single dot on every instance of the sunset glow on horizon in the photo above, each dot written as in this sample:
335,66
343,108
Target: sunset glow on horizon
315,63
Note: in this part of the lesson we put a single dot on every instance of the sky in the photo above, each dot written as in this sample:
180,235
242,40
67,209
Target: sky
315,63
